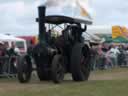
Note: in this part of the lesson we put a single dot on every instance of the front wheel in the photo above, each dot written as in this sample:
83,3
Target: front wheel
57,69
24,68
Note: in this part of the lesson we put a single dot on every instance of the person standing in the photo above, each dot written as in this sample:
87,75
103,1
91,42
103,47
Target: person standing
113,54
13,53
2,54
14,50
93,57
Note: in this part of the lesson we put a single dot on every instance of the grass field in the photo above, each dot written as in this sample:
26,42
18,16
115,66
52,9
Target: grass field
101,83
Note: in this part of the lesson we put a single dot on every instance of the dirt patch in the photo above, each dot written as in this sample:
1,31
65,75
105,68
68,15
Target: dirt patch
109,76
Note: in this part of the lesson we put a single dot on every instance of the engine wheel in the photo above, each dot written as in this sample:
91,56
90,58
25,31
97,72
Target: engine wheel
80,59
24,68
58,69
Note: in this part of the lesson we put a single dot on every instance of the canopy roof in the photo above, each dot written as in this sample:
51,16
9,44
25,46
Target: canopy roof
59,19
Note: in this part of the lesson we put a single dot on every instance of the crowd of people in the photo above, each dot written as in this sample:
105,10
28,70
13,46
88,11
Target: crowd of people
6,53
105,56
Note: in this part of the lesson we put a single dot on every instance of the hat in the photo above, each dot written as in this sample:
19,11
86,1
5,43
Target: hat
1,42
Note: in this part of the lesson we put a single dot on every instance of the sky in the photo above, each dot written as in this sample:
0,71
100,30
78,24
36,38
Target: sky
17,17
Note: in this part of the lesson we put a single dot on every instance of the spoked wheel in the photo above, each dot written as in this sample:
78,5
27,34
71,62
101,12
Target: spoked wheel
80,59
58,69
24,67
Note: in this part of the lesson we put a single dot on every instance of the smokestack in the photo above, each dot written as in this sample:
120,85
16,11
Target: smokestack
41,21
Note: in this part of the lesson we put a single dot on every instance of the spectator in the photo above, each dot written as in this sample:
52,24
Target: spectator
104,61
101,57
30,48
122,58
107,61
14,50
6,45
2,54
93,57
113,54
2,49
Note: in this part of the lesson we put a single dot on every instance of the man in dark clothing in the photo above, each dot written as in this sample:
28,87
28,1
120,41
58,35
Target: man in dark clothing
2,49
12,53
2,56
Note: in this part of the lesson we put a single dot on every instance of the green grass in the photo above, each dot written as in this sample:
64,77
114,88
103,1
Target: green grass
114,70
91,88
68,87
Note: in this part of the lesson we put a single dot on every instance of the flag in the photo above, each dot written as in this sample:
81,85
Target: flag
83,8
84,13
116,31
124,32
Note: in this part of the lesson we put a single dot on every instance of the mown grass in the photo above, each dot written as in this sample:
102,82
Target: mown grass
67,88
113,70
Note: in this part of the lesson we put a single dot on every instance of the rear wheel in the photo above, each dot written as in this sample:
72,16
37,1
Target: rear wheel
24,68
80,59
57,69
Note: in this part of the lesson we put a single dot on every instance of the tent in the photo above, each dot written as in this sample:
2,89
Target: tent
92,38
111,34
120,40
9,38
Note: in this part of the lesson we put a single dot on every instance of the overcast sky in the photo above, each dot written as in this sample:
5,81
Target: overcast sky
17,17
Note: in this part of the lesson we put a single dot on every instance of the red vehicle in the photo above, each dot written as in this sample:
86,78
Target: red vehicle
30,39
